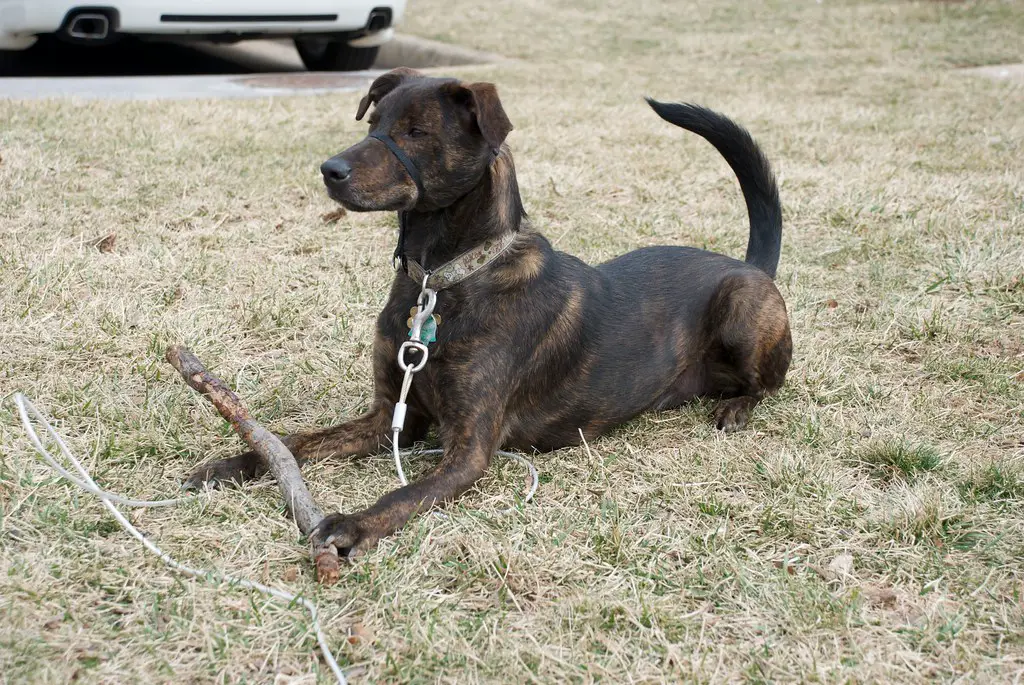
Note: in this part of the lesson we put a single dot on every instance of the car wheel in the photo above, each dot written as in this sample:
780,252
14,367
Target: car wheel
326,54
12,62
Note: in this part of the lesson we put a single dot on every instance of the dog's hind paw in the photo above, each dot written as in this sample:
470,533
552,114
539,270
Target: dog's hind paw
734,413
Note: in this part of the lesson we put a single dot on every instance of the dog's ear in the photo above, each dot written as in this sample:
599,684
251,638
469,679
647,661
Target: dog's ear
382,85
483,103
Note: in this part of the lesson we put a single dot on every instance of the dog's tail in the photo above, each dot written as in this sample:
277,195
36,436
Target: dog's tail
751,168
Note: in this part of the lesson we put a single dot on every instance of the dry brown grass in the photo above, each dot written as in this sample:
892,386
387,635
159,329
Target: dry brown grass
867,527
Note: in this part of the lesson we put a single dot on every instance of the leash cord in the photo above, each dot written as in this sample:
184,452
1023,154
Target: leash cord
108,499
530,492
25,407
425,304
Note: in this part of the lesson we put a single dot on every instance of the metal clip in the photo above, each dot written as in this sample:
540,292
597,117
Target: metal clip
423,311
409,366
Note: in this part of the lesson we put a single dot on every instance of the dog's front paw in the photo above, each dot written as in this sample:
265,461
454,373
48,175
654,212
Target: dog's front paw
352,534
224,471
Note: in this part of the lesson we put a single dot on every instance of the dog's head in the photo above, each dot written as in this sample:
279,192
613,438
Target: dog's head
448,131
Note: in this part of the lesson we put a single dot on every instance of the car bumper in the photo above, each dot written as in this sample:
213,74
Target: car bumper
22,20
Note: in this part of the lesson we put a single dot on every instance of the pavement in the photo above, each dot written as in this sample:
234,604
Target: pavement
137,70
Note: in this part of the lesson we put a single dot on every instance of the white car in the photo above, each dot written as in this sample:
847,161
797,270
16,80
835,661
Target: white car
331,35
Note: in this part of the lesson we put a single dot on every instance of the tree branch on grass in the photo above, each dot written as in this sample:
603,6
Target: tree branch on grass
280,460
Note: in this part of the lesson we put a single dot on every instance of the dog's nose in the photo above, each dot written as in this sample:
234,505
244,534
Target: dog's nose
335,170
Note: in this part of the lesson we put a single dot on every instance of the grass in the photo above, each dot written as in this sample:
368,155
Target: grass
867,526
999,482
891,461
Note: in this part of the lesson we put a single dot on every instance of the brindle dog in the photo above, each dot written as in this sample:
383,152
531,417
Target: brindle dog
537,346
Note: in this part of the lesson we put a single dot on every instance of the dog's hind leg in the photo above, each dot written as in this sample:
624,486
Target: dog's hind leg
754,350
768,372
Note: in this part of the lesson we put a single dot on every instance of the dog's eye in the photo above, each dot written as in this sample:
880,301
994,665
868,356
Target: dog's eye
416,133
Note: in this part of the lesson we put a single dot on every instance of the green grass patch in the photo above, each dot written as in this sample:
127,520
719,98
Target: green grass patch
897,460
996,482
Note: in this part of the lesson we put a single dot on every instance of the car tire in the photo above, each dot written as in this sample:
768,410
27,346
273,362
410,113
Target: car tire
326,54
12,62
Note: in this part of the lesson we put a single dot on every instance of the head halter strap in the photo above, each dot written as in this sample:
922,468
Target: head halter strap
398,152
414,174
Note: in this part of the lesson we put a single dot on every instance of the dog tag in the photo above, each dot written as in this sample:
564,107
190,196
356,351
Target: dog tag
428,332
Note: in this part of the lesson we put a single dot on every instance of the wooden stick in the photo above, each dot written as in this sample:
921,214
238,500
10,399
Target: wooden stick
279,459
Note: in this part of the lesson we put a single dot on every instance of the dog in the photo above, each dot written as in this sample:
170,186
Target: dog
534,348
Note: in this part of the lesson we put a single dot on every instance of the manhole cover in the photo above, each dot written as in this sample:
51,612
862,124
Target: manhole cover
305,80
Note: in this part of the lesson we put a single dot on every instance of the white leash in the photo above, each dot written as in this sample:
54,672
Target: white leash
425,304
25,407
86,483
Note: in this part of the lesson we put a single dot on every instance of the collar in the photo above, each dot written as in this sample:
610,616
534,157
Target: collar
460,268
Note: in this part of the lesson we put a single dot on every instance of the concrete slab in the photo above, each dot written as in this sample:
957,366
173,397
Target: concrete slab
180,87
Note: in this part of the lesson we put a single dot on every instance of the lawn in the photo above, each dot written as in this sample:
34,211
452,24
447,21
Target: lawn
867,527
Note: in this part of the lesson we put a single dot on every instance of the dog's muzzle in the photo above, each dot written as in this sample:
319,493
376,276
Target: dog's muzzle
337,171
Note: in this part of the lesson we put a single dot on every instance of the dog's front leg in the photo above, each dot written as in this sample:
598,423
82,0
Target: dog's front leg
469,445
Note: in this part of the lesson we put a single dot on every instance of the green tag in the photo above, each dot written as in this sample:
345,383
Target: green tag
428,333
